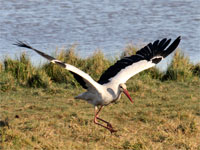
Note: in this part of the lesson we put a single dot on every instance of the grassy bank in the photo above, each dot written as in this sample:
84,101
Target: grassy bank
38,110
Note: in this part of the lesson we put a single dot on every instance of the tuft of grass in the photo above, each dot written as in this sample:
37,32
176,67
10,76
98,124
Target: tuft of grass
129,50
93,65
39,79
96,64
196,70
152,73
21,69
25,74
180,68
57,73
7,82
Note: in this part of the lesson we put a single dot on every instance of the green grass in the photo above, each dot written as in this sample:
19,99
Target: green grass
38,110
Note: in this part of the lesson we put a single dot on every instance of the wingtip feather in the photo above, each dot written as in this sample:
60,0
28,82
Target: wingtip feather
172,47
22,44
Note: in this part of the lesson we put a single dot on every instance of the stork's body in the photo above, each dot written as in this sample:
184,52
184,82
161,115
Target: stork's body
112,82
103,95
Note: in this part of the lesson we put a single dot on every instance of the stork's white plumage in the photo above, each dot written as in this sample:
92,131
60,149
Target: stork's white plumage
112,82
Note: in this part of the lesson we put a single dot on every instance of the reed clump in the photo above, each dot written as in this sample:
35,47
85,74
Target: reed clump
130,49
96,64
38,79
93,65
25,74
21,68
180,68
59,75
7,82
196,70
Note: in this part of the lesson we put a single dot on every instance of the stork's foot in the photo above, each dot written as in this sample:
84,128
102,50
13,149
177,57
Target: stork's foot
112,130
109,125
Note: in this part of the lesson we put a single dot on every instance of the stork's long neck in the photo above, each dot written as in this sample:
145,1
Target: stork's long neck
118,95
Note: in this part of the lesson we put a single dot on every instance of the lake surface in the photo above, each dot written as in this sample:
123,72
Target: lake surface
97,24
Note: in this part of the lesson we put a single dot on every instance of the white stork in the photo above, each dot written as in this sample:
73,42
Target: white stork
112,82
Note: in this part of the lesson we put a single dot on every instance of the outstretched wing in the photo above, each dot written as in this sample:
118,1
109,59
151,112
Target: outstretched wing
145,58
83,78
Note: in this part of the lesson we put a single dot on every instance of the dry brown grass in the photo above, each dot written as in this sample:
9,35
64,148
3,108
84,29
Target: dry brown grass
163,116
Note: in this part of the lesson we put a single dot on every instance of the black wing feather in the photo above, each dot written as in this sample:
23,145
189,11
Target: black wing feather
152,52
172,47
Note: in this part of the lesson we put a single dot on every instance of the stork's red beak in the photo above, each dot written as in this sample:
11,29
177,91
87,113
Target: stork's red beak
127,94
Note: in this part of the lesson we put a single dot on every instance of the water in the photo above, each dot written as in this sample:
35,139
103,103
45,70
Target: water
94,24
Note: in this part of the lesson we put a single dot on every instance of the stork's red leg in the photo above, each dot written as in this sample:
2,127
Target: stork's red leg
109,126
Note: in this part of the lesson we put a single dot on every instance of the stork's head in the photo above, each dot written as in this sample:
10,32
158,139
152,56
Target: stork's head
122,88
